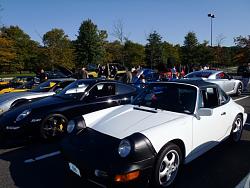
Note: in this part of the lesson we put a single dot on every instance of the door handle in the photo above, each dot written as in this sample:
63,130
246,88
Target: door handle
223,113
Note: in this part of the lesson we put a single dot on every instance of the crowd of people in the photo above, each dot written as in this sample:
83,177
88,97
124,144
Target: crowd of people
130,75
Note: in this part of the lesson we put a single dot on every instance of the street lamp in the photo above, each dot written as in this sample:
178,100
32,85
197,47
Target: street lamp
211,16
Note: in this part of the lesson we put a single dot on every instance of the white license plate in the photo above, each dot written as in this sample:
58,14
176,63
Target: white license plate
74,169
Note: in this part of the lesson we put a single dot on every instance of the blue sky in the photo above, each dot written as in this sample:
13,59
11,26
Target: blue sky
171,19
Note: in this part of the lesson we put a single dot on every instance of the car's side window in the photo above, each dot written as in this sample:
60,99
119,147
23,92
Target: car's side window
224,98
208,98
102,90
122,89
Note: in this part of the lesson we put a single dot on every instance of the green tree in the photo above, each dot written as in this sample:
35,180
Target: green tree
189,49
153,50
134,54
113,52
170,51
58,49
24,47
243,54
90,48
205,55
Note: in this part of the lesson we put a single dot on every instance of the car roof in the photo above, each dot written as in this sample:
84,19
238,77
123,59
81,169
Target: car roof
194,82
61,79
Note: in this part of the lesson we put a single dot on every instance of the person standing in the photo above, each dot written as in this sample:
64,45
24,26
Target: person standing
84,73
245,76
42,75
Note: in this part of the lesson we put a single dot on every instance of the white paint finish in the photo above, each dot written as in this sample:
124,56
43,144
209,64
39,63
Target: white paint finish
42,157
124,121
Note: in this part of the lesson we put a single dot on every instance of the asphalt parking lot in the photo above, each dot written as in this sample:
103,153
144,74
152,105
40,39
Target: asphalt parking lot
38,164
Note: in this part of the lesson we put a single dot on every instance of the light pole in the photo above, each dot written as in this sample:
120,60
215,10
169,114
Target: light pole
211,16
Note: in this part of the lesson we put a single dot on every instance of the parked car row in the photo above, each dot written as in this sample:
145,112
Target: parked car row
140,135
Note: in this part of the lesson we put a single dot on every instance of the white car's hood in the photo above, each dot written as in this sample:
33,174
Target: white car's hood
125,120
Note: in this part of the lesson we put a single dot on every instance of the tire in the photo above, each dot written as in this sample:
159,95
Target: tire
239,89
167,166
237,129
53,126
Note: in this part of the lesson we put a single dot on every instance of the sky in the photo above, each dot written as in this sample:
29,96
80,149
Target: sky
172,19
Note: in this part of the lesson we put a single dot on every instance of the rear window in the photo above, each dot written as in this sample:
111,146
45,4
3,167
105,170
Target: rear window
198,75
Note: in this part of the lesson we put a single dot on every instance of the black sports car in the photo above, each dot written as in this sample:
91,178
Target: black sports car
49,116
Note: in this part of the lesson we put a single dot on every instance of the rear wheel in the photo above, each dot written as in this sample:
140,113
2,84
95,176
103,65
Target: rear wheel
237,129
53,126
167,166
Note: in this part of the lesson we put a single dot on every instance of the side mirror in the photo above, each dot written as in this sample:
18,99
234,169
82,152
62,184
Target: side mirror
205,112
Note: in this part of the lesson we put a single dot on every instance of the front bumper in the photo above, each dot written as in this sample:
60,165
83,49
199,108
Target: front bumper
101,163
10,129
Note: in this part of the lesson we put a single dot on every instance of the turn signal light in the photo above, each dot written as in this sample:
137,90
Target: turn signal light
127,177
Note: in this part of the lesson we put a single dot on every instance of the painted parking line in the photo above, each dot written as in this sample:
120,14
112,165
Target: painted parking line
42,157
241,98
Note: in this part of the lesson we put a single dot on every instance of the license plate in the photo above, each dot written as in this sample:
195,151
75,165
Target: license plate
74,169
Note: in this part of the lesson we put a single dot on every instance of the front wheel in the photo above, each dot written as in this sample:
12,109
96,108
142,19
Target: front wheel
53,126
167,166
237,129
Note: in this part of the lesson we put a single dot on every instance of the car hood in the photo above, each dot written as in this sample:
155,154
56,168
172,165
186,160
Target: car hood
16,95
125,120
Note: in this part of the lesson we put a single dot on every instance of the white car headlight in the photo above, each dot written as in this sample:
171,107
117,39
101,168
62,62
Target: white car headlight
24,114
124,148
71,125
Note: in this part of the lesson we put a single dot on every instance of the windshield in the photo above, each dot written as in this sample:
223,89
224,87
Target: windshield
45,86
168,96
74,90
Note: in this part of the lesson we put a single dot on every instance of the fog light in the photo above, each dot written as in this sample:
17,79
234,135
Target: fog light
127,177
100,173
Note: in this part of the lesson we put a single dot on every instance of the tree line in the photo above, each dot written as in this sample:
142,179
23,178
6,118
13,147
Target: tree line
18,52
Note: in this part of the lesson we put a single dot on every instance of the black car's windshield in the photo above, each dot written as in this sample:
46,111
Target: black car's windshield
74,90
168,96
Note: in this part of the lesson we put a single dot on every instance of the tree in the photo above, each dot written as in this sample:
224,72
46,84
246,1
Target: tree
153,50
23,46
170,53
113,52
189,49
243,54
7,53
134,54
58,49
90,44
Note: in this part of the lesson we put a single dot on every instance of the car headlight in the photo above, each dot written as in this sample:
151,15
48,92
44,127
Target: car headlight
76,124
71,126
124,148
24,114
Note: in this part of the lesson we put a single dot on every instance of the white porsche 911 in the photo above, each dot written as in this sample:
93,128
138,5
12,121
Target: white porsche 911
226,82
168,124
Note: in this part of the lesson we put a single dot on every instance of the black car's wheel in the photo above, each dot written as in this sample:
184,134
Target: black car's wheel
53,126
237,129
239,90
167,166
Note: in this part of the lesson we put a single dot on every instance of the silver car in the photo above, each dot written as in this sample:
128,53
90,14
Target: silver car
226,82
45,89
